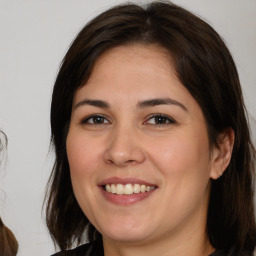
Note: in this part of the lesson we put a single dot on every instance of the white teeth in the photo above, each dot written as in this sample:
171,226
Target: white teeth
127,189
113,189
108,188
143,188
119,189
136,188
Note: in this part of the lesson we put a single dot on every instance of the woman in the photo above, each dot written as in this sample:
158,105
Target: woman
8,242
153,152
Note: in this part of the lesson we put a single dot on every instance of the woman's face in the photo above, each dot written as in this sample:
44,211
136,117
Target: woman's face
138,148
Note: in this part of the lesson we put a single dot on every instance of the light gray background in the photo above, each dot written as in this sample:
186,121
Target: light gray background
34,36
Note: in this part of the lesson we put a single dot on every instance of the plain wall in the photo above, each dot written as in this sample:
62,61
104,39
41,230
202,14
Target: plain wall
34,36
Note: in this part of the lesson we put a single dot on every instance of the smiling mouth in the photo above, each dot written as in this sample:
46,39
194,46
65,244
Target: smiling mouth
127,189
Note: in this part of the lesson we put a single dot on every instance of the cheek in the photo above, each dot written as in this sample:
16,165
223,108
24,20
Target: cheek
83,161
83,156
182,154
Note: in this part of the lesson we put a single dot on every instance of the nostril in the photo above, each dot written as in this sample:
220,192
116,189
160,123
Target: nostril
109,161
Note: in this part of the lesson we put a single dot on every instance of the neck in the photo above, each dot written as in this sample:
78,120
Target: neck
194,244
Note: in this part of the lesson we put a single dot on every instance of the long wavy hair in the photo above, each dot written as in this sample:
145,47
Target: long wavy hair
206,68
8,242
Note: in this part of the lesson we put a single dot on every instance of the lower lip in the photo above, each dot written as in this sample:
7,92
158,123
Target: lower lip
126,199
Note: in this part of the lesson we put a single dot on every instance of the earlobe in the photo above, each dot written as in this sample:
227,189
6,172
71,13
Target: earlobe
221,155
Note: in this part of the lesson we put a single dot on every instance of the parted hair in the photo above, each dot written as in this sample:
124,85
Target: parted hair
206,68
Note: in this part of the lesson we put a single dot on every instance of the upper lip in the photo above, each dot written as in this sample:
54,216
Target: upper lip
123,181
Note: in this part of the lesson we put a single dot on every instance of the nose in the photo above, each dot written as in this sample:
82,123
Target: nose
124,148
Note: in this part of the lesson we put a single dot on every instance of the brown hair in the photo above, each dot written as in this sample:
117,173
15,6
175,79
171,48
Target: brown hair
8,242
206,68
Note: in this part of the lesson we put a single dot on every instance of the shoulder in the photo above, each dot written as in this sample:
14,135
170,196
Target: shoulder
233,253
89,249
81,250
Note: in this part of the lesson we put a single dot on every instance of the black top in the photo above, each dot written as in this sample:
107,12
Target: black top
91,249
96,249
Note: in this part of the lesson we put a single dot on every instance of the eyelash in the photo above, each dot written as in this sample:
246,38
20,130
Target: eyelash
94,117
167,119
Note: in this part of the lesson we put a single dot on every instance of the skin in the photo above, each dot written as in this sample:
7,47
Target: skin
127,142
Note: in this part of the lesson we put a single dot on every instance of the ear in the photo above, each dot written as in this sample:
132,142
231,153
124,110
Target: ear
221,155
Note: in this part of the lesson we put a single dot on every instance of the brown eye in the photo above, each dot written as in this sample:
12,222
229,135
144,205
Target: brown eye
98,120
95,119
160,120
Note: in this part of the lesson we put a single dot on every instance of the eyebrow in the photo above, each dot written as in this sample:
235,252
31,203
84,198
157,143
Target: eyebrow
141,104
95,103
160,101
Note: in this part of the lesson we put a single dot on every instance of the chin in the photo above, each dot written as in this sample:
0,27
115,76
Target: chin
126,233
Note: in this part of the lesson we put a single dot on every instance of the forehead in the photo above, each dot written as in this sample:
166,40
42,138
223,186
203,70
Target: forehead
142,52
128,53
132,65
137,71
